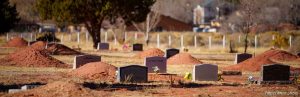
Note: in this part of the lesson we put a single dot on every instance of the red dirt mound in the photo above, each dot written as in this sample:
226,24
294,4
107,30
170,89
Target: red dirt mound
54,49
16,42
268,57
59,49
31,58
183,58
150,53
39,45
96,70
56,89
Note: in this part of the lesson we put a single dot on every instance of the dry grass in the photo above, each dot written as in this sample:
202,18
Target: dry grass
122,58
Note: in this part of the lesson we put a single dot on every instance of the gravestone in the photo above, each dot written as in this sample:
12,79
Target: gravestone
132,73
171,52
137,47
14,90
154,63
104,46
275,72
205,72
83,59
242,57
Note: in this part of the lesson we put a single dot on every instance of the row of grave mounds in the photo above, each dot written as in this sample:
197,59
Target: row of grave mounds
91,67
271,56
202,72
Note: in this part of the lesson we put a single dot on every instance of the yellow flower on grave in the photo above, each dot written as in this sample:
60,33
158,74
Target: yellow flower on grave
188,76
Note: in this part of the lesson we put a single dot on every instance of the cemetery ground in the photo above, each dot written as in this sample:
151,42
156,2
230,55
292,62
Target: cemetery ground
60,83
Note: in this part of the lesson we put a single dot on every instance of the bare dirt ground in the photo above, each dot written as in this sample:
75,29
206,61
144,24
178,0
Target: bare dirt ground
232,86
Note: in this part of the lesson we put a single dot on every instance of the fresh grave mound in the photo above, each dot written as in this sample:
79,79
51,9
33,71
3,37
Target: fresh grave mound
96,70
16,42
31,58
59,49
39,45
56,89
183,58
150,53
54,49
268,57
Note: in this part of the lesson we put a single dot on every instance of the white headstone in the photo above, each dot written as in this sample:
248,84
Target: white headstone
14,90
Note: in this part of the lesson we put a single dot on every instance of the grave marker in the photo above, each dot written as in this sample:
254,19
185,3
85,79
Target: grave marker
242,57
171,52
132,73
84,59
137,47
205,72
103,46
14,90
153,63
275,72
26,87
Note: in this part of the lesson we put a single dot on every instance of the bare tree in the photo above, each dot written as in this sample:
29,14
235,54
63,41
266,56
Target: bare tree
153,18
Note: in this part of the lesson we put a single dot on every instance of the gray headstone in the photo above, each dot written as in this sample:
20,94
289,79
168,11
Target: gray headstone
156,63
242,57
83,59
275,72
26,87
132,73
104,46
205,72
171,52
137,47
